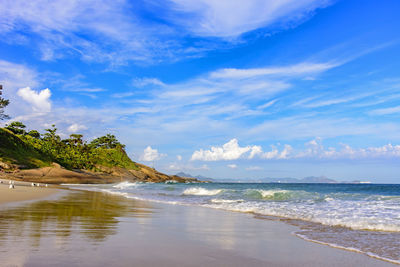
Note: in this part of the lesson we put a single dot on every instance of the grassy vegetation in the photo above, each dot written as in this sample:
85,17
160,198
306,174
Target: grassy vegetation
15,151
33,150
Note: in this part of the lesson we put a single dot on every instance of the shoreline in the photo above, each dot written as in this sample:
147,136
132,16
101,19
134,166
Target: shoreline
24,192
148,233
275,218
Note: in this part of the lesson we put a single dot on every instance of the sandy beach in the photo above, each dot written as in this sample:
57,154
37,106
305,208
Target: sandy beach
84,228
23,191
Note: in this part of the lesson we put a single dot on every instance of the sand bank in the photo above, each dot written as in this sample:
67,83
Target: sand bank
97,229
23,192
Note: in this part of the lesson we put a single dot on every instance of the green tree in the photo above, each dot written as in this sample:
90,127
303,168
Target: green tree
107,141
3,104
52,144
16,127
34,134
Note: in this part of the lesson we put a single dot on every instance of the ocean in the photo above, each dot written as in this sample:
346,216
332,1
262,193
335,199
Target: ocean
364,218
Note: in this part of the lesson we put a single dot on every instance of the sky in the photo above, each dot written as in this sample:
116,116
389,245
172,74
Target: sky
224,89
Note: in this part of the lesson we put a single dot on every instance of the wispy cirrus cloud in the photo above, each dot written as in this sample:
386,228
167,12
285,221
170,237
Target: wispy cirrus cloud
100,31
119,32
229,19
291,70
385,111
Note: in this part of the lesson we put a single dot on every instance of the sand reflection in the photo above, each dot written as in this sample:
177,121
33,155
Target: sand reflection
90,215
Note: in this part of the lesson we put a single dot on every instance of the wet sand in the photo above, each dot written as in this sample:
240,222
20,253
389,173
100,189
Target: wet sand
97,229
22,192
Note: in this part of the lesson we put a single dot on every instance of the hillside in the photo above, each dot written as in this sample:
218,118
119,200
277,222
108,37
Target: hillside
25,158
15,153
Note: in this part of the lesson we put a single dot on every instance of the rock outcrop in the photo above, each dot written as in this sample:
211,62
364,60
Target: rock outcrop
59,175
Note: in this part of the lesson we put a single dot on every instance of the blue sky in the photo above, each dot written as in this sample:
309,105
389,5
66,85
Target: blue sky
225,89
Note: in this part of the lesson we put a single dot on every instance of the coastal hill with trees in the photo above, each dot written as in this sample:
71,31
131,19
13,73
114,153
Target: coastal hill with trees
46,158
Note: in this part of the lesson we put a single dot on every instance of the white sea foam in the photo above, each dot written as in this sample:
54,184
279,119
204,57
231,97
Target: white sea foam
125,185
272,193
335,214
217,200
372,255
350,210
200,191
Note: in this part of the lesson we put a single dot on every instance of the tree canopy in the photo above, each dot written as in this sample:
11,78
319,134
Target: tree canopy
107,141
3,104
74,152
16,127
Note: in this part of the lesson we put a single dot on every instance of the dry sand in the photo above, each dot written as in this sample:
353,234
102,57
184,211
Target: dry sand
23,192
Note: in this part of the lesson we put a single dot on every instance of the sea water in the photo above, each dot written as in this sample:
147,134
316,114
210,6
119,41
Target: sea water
359,217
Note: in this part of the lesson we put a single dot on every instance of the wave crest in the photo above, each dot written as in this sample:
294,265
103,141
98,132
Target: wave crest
269,194
200,191
125,185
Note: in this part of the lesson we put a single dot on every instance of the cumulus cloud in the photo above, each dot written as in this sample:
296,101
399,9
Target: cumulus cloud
40,101
228,151
179,157
232,166
313,149
150,154
73,128
274,153
232,150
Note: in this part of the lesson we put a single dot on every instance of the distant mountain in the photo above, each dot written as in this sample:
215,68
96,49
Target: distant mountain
321,179
286,180
182,174
310,179
200,177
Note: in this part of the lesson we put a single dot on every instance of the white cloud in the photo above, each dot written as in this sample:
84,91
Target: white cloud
142,82
231,18
174,167
150,154
187,167
232,151
315,149
291,70
254,168
385,111
40,101
113,31
102,31
73,128
232,166
273,154
255,150
179,157
267,104
228,151
14,76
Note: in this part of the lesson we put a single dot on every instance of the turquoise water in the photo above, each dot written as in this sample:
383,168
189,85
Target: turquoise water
359,217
